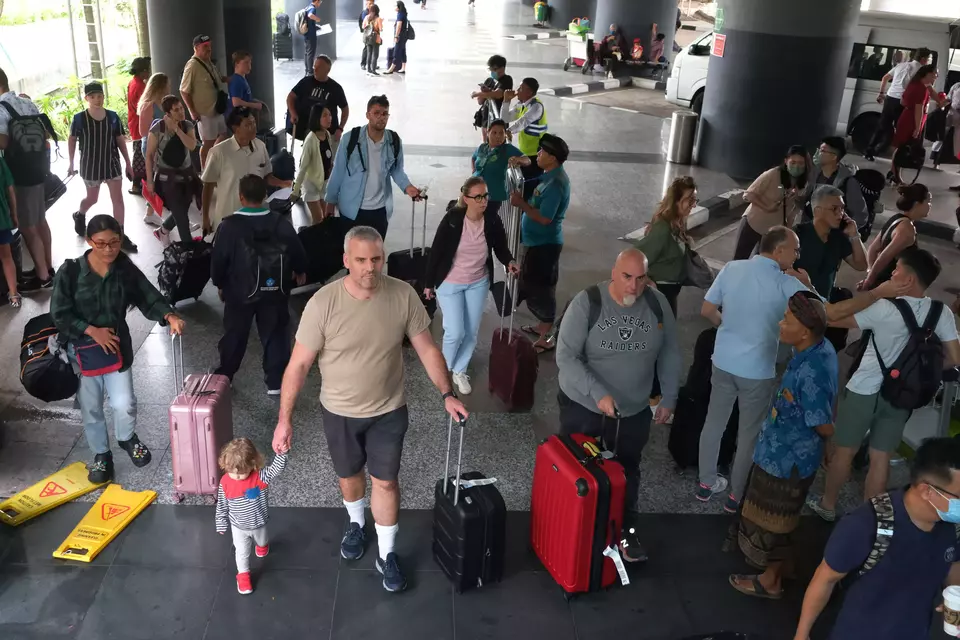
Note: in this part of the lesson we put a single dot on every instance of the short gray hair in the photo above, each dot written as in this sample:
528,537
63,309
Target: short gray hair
364,233
823,192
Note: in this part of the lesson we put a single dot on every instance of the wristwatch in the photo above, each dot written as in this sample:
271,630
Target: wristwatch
449,394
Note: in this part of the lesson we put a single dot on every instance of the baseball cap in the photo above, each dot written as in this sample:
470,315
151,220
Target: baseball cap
555,146
92,88
138,65
201,39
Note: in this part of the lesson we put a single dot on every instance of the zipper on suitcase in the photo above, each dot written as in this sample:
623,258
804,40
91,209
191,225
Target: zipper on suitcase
603,509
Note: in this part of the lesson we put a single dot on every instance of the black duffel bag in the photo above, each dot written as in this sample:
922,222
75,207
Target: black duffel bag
45,372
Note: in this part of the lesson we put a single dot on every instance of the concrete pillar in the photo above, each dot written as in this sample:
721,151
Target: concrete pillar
563,11
173,24
635,18
328,15
249,26
780,81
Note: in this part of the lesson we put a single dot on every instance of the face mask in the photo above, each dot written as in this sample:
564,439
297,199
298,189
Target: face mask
816,158
612,31
796,170
952,515
493,74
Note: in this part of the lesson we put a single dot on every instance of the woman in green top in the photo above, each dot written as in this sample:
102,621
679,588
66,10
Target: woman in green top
490,163
665,240
8,222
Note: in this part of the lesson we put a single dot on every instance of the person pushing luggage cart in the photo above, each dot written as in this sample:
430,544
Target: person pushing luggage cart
614,335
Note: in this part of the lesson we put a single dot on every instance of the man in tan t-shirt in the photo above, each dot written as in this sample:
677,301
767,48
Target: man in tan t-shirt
357,325
199,87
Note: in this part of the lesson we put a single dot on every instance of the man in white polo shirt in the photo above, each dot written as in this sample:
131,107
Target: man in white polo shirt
230,160
898,77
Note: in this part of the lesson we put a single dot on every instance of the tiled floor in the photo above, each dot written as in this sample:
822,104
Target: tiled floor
169,575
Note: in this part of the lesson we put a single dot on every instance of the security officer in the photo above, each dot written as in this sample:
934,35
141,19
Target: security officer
528,122
542,235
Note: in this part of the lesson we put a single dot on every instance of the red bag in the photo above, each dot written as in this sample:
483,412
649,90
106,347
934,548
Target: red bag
152,198
201,423
576,513
513,364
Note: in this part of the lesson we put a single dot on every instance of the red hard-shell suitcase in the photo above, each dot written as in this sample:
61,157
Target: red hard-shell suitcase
576,512
513,364
201,423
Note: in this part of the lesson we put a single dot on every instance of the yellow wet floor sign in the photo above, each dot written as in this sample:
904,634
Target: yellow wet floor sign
63,486
115,509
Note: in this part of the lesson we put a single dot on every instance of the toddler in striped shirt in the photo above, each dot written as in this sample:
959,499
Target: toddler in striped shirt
242,502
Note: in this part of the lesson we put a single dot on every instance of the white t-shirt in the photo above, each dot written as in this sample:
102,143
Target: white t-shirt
373,192
902,75
891,335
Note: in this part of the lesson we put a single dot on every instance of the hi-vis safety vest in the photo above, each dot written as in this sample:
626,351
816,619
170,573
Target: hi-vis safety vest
528,141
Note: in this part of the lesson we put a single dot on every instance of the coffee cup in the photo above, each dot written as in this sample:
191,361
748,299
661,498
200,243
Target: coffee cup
951,611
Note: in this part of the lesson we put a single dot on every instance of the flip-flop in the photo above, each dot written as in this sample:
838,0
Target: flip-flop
530,329
541,349
755,589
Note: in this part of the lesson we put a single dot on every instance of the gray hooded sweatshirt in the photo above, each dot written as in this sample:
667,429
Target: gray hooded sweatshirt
618,354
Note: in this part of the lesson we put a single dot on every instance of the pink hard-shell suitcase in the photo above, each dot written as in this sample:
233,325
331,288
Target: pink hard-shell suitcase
201,423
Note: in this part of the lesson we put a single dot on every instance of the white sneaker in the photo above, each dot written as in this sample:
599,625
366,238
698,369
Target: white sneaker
152,218
273,392
462,382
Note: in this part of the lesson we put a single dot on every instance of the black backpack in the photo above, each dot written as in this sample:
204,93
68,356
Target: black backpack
174,152
44,372
26,153
914,378
283,24
353,143
265,262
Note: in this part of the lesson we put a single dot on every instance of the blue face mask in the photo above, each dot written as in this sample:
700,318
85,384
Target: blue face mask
493,74
952,514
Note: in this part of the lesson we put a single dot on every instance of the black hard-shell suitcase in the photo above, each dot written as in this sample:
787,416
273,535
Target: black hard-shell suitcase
691,412
282,46
410,265
469,526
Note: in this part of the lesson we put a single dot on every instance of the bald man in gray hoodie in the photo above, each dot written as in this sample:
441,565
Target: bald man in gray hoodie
614,335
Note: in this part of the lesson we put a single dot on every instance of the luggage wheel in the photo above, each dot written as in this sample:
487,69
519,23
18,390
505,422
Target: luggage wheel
178,497
566,65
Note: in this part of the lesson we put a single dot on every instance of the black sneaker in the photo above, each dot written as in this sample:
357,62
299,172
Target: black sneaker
127,246
102,468
46,284
630,547
139,454
354,540
393,580
80,224
27,286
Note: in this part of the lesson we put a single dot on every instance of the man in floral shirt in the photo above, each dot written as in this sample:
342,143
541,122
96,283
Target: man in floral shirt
789,449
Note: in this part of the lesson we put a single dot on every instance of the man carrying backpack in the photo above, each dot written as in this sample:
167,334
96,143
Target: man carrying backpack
306,22
915,338
900,550
256,254
23,140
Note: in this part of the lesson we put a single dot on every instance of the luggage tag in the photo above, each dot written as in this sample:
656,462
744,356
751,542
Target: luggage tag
614,554
479,482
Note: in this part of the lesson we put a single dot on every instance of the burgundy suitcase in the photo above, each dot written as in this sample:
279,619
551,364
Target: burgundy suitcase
576,513
513,364
201,423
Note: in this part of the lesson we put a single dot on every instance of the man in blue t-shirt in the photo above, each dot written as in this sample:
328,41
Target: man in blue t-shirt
238,88
895,599
310,37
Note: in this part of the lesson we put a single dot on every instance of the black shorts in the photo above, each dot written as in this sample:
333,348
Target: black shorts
376,443
539,275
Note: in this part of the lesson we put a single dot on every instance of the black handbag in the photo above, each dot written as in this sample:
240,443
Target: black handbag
910,155
696,272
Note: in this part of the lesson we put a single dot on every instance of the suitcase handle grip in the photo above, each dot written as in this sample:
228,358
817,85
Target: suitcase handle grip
446,467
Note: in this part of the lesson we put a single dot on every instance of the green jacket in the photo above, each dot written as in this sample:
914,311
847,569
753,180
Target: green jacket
665,254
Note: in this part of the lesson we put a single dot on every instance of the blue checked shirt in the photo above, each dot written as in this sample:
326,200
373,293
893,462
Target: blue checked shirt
805,401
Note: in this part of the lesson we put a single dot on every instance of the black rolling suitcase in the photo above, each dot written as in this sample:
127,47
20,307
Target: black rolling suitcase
469,526
691,412
185,270
323,244
282,46
410,265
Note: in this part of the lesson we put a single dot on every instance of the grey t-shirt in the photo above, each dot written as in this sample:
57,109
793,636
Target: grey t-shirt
373,191
618,354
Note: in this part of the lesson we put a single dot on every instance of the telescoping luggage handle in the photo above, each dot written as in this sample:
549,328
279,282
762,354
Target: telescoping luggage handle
446,467
413,222
511,284
179,375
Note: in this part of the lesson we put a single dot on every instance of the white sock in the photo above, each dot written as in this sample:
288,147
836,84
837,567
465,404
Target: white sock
386,536
355,510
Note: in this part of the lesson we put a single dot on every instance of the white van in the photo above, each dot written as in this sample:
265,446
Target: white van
881,39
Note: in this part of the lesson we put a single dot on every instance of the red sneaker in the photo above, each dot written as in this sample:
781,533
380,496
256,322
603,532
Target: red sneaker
244,586
262,551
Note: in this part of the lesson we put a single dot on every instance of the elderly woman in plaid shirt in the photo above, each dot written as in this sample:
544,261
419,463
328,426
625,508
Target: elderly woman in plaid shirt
90,299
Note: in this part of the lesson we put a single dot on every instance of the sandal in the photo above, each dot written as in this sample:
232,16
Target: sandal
15,300
540,348
755,589
530,330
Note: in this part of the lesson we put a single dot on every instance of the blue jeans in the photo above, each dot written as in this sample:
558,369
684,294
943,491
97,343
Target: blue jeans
462,306
118,387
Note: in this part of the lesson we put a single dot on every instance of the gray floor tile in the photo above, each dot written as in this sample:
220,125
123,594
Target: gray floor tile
41,602
649,606
170,537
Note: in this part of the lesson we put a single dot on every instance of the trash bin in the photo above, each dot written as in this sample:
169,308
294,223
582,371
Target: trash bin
683,133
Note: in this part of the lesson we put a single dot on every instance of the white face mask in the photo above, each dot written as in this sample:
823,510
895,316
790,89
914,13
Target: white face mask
629,300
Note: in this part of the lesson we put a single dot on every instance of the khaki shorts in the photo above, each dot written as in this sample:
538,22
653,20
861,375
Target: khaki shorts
212,127
858,414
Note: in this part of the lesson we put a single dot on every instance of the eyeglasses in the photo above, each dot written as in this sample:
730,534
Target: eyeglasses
480,197
943,492
112,244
